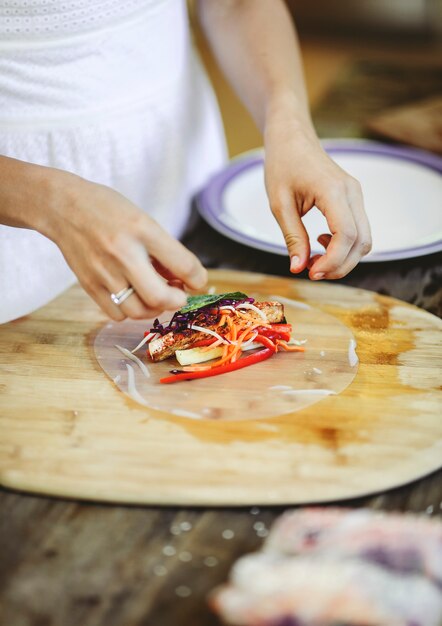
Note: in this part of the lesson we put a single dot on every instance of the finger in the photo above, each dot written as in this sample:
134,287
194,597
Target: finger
152,293
176,283
295,236
91,279
153,290
344,234
324,240
114,282
362,244
356,199
134,308
103,298
170,278
176,258
313,260
163,271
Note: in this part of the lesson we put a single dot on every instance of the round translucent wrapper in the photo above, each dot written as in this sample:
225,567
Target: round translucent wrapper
287,382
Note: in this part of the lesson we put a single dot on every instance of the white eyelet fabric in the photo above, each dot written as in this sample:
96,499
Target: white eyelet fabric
43,19
114,92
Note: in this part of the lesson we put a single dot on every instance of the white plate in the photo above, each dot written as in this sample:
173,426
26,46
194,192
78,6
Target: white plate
402,191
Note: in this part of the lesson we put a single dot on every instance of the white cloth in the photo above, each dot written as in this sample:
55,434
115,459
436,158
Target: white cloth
112,91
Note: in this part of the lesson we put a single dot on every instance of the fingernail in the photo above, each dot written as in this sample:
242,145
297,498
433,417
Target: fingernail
294,263
318,276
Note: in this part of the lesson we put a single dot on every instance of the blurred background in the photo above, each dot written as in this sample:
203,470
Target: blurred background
360,59
378,17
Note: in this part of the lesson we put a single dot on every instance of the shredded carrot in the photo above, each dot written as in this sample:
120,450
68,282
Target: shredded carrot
233,330
241,327
229,350
195,368
227,355
285,346
214,344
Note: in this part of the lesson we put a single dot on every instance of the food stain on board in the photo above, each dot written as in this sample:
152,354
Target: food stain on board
378,319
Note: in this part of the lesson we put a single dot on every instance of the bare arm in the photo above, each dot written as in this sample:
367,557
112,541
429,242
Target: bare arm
106,240
256,45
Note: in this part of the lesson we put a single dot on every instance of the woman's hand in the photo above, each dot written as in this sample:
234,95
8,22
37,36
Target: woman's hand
300,175
110,244
256,45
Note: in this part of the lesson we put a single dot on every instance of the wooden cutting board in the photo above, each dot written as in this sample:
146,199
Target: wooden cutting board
65,429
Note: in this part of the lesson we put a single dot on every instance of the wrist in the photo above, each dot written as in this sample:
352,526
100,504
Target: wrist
57,194
28,194
32,196
285,112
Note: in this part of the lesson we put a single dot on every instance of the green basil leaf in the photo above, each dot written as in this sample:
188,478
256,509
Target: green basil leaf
198,302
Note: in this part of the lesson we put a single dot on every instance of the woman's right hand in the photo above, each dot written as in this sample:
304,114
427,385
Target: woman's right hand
110,244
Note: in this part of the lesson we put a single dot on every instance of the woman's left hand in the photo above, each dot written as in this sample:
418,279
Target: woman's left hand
300,175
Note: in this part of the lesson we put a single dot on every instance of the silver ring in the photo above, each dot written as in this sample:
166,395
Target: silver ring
121,296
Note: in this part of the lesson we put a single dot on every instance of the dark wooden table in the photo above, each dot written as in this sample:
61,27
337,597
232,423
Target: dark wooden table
65,563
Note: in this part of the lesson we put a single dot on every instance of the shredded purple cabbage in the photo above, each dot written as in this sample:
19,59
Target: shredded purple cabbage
206,316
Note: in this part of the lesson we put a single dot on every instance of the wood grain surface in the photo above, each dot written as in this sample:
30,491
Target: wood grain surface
66,430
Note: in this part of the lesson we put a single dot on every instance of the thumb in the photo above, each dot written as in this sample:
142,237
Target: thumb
295,236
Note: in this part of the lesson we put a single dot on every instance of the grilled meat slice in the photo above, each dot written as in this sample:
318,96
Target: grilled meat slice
274,311
165,346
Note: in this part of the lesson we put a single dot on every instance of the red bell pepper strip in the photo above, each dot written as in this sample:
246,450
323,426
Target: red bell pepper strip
282,328
251,359
274,333
266,341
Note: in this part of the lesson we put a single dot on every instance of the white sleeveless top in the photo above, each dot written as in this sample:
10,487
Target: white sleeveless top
113,91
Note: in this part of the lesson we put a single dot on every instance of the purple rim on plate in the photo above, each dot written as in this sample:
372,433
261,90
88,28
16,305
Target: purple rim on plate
210,199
